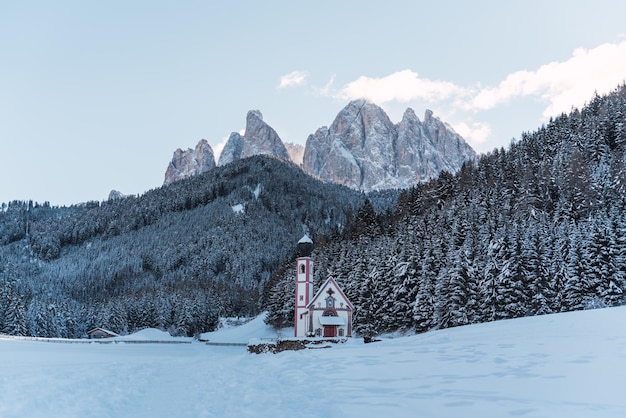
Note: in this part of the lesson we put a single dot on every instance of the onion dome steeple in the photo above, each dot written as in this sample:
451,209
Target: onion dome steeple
305,246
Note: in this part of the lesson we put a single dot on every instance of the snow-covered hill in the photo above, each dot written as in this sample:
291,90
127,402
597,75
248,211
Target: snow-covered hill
229,332
564,365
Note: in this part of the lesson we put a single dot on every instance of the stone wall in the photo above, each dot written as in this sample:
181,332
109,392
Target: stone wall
294,344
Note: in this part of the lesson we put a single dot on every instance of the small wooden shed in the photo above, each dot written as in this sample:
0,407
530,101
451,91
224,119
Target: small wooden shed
100,333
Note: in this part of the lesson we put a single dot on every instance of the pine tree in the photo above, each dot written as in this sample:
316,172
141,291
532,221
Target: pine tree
424,305
600,269
405,292
536,271
491,305
511,284
575,291
15,312
454,291
366,320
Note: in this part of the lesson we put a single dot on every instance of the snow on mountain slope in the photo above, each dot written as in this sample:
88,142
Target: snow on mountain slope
565,365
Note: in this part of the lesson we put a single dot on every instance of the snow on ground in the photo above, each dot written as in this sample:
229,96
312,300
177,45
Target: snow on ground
239,208
151,334
565,365
255,328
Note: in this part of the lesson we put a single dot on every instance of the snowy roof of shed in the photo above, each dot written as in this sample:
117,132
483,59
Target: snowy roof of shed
106,331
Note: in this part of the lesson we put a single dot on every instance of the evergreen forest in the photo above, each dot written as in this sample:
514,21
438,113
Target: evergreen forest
537,228
175,258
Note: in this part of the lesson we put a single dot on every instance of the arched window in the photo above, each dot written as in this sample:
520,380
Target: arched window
302,268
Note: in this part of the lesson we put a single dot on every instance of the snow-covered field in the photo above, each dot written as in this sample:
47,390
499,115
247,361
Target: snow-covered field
565,365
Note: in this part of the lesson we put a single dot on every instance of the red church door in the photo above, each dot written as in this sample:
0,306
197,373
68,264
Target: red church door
330,331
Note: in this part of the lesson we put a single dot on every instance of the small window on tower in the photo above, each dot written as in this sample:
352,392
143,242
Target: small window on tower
301,268
301,298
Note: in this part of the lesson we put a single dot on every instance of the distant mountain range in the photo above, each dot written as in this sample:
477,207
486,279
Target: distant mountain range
361,149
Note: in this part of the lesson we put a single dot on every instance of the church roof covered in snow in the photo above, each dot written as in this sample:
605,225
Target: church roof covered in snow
332,320
306,239
332,284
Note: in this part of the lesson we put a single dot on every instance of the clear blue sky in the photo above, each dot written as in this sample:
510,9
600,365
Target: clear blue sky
96,95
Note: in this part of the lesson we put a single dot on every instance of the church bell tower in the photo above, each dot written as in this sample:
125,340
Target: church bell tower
304,287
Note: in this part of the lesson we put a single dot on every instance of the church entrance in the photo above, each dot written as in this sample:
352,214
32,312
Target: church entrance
330,331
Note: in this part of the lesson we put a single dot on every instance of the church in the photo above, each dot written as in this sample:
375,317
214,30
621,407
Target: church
327,313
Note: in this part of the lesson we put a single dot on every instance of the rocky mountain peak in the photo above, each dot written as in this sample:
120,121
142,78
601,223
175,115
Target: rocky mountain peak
259,138
190,162
363,149
253,116
232,149
409,115
361,115
357,150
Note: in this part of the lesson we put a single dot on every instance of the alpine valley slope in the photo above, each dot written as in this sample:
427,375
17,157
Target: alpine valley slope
361,149
562,365
172,258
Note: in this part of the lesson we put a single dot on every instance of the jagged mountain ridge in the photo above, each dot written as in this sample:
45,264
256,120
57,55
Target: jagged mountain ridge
258,139
190,162
362,149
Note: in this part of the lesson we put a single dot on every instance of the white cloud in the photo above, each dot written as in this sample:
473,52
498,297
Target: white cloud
562,84
217,149
325,91
474,132
294,78
402,86
556,87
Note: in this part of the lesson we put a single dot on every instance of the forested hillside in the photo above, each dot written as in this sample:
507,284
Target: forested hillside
536,228
173,258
